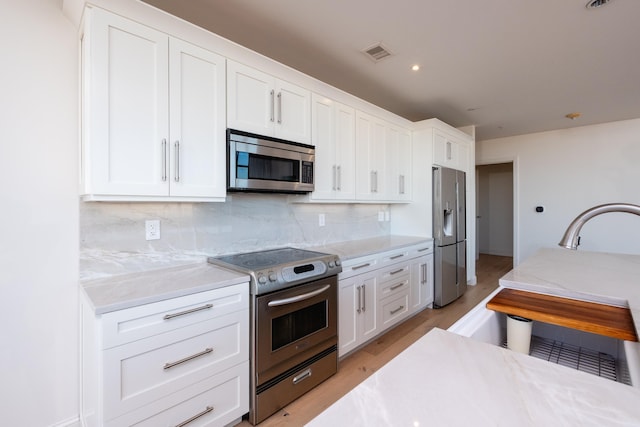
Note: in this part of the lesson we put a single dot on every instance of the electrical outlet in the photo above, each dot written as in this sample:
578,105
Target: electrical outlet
152,229
386,215
321,220
381,216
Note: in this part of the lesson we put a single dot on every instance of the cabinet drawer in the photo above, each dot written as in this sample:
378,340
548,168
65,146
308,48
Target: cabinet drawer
146,370
424,249
394,309
396,285
140,322
217,400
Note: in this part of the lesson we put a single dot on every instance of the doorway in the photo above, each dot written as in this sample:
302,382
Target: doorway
494,209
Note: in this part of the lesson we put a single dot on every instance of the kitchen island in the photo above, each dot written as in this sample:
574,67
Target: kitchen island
448,379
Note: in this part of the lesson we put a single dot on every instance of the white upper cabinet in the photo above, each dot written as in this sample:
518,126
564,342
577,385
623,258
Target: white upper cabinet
333,135
399,163
449,151
370,157
259,103
137,144
197,125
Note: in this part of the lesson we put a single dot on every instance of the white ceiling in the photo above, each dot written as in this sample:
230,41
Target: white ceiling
508,67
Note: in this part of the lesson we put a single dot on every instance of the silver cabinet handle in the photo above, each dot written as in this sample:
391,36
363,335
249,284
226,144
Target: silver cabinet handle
164,159
424,249
397,256
272,105
298,298
182,313
394,287
359,310
393,273
339,178
196,416
334,178
304,375
448,150
373,187
176,147
375,175
358,267
279,107
424,273
397,310
170,365
364,298
401,184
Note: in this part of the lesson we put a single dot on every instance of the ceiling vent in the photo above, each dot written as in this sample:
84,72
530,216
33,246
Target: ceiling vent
377,52
594,4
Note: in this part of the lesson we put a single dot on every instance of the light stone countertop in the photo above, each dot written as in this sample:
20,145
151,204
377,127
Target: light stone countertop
117,280
445,379
606,278
129,290
448,379
360,248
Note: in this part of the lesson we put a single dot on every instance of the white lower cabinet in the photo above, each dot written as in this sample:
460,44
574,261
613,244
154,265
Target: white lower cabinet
379,291
168,362
357,317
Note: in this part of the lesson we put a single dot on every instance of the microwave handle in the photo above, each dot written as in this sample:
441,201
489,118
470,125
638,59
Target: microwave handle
298,298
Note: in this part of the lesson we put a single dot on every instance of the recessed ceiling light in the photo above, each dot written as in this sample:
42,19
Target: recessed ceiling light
573,116
594,4
415,67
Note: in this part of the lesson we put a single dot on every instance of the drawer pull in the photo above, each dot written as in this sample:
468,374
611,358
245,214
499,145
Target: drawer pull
397,310
396,271
397,256
399,285
186,359
196,416
182,313
423,249
304,375
358,267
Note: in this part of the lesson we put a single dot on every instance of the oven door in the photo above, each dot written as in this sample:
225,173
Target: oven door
294,325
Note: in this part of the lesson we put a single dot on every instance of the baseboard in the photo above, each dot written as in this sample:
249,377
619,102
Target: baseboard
69,422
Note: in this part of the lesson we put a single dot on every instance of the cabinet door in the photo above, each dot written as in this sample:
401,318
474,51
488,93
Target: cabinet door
197,144
421,282
349,300
398,171
325,173
126,107
345,149
333,127
369,310
293,112
370,157
250,99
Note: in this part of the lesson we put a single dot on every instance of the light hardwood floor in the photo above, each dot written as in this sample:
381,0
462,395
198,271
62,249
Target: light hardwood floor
359,365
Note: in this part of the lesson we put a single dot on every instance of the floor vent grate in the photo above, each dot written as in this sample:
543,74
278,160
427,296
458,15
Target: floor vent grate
585,360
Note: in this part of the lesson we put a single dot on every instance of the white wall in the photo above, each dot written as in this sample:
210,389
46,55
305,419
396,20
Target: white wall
567,172
39,215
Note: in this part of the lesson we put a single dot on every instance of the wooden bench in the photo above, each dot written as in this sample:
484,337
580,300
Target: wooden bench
585,316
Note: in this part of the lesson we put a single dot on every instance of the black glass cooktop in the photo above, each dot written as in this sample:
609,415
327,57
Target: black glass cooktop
259,260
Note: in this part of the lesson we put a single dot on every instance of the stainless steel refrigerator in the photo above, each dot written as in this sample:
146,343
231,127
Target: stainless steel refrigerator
449,233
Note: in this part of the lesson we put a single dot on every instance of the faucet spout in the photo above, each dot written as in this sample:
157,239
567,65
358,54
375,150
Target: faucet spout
571,238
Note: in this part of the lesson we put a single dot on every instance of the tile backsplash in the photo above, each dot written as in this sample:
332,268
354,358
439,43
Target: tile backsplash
245,222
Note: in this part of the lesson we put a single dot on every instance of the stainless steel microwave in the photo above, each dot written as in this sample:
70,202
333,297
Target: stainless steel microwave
264,164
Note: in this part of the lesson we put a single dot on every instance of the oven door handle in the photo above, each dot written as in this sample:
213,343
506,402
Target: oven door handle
298,298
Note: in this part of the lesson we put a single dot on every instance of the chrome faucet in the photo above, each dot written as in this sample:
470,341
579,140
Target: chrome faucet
571,238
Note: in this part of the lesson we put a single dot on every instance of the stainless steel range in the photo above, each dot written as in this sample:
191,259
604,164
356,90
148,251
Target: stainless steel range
294,323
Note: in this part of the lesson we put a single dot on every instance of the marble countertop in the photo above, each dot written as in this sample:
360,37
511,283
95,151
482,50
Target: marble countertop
606,278
129,290
360,248
447,379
